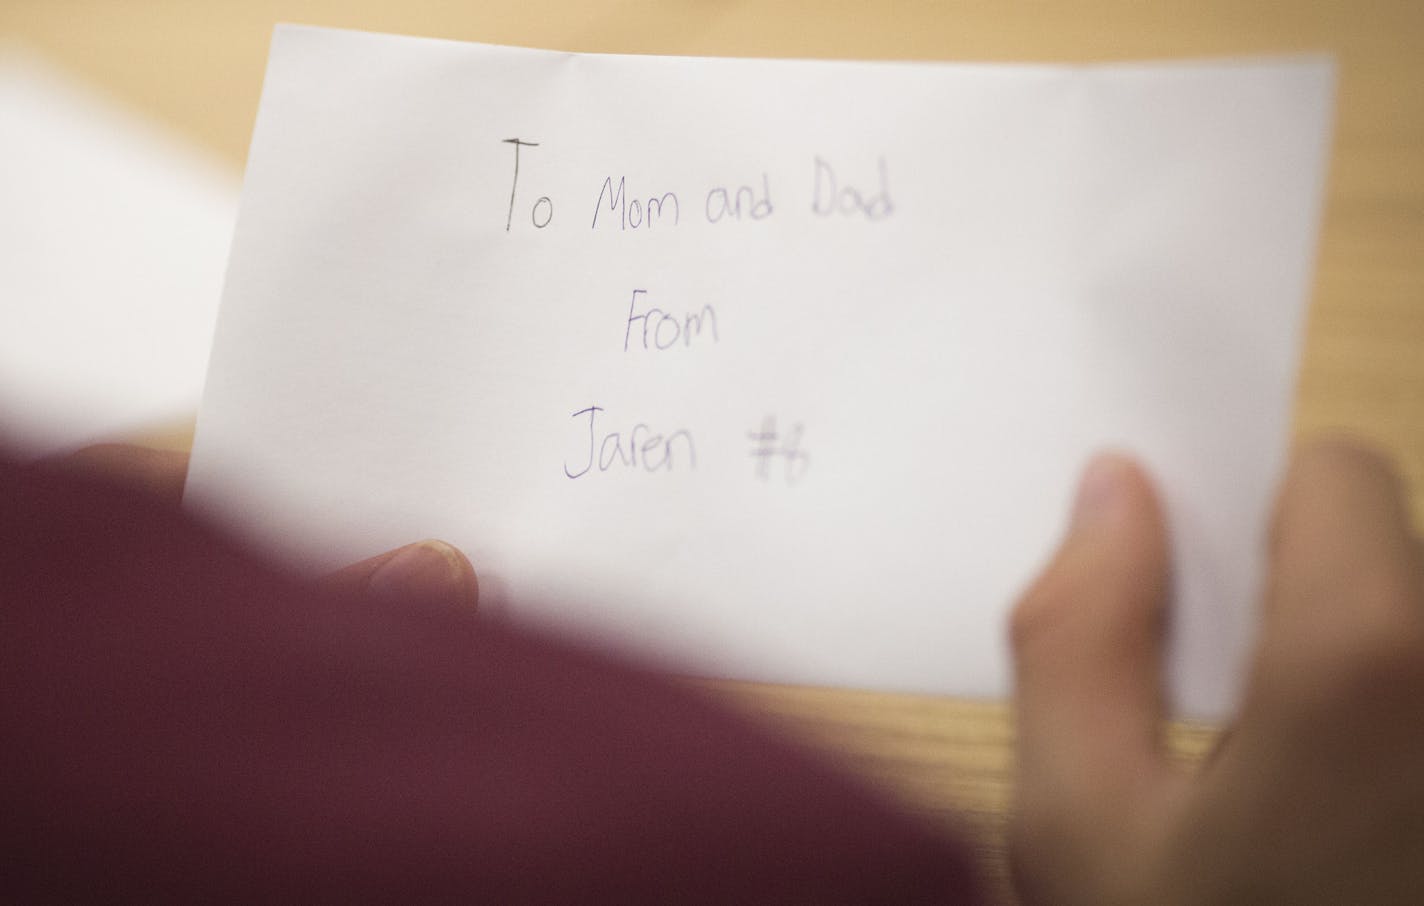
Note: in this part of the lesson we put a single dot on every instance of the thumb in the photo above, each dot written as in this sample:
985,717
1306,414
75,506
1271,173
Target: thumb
1087,640
427,572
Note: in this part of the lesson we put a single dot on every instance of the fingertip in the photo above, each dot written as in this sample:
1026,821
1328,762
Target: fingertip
1339,453
1107,487
1346,572
161,473
1087,637
1114,548
430,570
1340,490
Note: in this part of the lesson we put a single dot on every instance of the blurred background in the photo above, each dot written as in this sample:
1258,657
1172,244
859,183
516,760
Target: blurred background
124,126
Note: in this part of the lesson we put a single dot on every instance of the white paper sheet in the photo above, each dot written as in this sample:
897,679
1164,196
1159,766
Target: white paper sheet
845,422
113,238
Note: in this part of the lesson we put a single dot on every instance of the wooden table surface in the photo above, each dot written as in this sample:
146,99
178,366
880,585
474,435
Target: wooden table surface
197,66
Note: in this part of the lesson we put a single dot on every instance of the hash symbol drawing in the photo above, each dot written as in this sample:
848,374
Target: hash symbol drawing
768,445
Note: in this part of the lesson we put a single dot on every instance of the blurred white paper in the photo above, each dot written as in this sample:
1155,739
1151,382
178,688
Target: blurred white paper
776,370
113,238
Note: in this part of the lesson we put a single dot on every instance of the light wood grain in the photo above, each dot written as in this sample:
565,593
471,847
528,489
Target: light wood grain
198,67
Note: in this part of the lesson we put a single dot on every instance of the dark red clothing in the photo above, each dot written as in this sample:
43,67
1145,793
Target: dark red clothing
182,721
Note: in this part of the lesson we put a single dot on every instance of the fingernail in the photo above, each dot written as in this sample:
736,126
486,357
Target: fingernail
1100,490
427,571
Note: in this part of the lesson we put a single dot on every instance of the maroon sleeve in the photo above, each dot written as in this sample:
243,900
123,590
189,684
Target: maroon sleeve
181,721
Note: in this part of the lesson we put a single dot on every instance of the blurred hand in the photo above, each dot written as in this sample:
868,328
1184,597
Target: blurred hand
1315,795
427,571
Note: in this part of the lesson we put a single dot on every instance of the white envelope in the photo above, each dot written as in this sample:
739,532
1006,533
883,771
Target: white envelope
765,369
